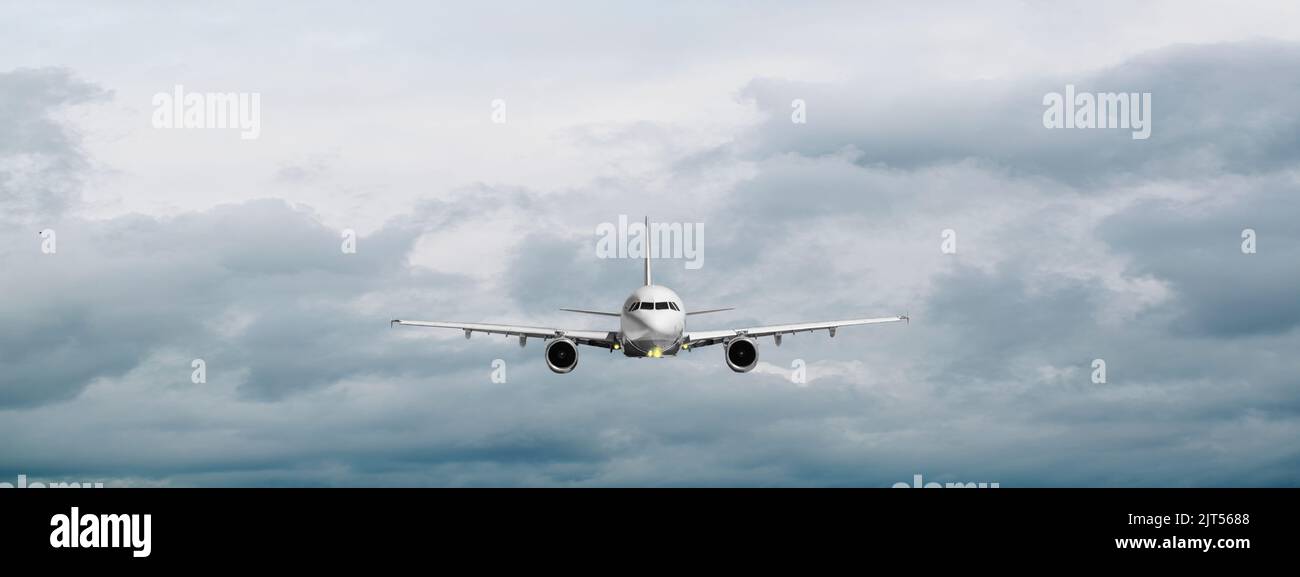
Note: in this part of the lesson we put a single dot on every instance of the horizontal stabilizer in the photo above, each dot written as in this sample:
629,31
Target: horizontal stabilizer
707,311
586,312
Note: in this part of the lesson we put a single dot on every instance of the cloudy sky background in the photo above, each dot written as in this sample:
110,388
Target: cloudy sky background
1072,245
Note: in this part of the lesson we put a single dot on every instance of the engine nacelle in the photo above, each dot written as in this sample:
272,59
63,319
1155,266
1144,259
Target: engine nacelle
742,354
561,355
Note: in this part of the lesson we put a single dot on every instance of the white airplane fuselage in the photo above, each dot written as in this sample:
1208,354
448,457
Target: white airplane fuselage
652,331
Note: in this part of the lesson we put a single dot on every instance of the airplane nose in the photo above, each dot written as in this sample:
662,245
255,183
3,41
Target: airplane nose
663,324
636,327
653,329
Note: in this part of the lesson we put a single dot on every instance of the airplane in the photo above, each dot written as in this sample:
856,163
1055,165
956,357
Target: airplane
652,324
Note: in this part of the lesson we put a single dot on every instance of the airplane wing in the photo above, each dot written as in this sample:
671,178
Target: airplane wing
705,338
603,339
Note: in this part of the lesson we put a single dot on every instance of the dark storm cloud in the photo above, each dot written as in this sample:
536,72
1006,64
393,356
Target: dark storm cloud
119,289
1198,248
990,382
1015,336
1216,108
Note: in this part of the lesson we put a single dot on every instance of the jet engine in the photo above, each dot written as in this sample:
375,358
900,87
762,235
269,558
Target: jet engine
561,355
742,354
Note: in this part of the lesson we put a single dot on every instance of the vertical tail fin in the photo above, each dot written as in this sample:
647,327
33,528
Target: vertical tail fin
647,251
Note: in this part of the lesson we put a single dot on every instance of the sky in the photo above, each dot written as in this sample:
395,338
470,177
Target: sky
474,149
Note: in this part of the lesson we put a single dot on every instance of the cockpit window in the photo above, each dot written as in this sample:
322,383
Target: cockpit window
673,306
634,306
661,306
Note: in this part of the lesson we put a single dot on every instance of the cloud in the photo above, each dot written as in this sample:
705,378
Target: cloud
1216,108
1197,247
41,165
1071,247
